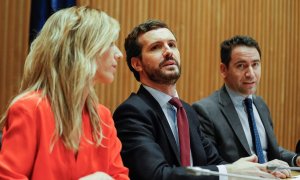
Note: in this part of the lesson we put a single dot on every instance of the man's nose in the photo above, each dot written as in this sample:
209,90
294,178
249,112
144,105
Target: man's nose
167,51
250,72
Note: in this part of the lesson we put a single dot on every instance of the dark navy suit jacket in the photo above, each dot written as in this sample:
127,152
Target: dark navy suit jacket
149,147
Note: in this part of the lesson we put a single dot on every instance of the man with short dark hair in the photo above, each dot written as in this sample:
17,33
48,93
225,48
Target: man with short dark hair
234,129
161,134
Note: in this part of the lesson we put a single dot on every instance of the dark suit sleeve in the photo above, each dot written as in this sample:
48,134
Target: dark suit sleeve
207,126
287,155
225,134
284,154
139,131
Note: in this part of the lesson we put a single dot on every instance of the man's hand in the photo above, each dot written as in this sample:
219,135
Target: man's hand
280,173
248,166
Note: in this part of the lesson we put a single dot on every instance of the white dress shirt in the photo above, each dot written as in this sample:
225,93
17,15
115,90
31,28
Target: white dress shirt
238,102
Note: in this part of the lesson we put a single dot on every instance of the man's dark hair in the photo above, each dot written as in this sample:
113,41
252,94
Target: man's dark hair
133,48
228,45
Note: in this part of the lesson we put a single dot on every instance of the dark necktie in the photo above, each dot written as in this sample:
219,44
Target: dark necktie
183,132
254,131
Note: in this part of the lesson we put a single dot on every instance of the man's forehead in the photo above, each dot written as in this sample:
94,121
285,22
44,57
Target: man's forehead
156,35
245,49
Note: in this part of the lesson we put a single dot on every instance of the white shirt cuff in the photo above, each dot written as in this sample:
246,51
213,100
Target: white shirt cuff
223,170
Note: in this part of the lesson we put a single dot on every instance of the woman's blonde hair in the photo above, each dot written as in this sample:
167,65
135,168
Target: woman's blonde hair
62,64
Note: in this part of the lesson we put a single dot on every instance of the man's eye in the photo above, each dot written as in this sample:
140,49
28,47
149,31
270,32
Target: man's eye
172,45
154,47
240,66
255,65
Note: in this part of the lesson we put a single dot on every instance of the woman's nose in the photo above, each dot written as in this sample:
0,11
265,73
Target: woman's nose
118,54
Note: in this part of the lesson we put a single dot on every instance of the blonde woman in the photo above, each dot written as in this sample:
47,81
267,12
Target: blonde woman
55,128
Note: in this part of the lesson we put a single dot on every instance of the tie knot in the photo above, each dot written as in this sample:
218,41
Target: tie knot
248,102
175,102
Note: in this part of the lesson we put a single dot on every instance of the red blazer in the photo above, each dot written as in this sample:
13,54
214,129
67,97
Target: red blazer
25,152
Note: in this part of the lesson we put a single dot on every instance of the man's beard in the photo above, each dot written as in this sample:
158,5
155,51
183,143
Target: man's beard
159,76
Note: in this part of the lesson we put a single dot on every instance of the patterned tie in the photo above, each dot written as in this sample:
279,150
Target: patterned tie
254,131
183,132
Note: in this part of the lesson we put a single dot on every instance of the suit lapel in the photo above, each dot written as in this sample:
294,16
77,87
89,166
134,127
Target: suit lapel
263,113
232,117
149,99
194,138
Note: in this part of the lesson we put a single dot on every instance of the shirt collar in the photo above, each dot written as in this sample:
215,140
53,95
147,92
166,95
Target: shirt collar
236,98
162,98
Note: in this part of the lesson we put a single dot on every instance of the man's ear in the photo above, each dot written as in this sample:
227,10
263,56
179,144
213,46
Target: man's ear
223,70
136,64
